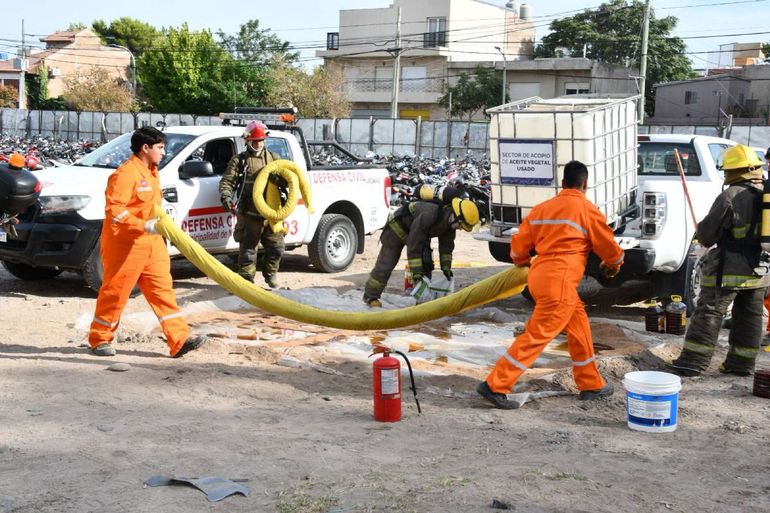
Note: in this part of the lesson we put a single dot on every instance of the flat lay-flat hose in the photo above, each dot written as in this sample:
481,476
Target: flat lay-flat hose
499,286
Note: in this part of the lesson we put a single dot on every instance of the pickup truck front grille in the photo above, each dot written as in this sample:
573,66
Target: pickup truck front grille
506,214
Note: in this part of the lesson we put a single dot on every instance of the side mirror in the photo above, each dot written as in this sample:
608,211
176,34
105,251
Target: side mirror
195,169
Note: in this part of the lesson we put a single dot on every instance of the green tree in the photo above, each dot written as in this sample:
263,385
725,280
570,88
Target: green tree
188,72
37,87
479,89
76,27
612,33
257,46
134,34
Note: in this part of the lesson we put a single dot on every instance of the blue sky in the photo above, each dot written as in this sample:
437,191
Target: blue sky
305,22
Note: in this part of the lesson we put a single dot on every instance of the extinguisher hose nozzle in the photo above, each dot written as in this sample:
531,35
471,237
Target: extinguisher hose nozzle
411,377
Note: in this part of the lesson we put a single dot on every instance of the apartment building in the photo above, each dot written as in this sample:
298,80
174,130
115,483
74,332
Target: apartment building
434,35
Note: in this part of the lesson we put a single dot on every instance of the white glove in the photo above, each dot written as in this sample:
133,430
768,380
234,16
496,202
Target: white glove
441,286
149,225
421,290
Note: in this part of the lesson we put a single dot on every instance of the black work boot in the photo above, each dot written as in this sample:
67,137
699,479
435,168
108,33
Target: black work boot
373,302
271,281
735,372
588,395
682,369
498,400
105,349
191,344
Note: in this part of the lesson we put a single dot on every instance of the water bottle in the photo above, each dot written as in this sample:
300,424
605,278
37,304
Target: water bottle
676,316
654,318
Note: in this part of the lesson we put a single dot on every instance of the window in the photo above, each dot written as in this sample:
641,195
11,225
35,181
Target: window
278,145
218,152
332,40
436,34
690,97
118,150
576,88
414,78
383,78
658,159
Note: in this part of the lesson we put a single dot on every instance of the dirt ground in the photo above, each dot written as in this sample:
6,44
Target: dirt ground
287,409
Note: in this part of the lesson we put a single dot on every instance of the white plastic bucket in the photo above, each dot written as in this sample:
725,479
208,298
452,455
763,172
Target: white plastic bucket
652,400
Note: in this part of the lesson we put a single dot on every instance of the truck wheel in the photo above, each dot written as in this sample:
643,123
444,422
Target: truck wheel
334,244
93,273
692,282
500,252
29,273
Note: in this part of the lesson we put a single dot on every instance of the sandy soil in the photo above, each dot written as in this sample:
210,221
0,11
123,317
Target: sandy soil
286,409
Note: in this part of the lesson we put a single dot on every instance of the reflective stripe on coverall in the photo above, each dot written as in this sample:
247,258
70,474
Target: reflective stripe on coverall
131,256
562,230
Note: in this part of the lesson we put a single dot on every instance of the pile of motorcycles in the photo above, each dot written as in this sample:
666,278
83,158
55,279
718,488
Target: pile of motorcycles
47,151
468,174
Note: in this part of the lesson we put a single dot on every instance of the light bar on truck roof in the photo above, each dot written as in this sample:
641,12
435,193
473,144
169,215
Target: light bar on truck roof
268,119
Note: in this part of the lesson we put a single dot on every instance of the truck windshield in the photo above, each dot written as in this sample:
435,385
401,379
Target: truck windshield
657,158
118,150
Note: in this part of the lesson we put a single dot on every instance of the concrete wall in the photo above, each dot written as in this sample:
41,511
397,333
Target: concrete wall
384,136
720,92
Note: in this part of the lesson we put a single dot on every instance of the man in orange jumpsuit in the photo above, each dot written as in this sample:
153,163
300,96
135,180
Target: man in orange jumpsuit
133,252
562,231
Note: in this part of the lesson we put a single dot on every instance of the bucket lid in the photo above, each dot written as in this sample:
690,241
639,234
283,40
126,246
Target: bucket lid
653,379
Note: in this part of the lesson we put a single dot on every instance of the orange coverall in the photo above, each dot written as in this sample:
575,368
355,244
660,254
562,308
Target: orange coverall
131,256
562,230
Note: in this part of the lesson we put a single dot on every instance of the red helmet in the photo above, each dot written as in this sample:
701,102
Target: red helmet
255,131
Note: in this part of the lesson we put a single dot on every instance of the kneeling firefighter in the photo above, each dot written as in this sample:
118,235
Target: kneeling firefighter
251,228
730,271
413,226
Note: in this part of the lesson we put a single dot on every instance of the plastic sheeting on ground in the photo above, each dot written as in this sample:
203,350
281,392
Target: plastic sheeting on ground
505,284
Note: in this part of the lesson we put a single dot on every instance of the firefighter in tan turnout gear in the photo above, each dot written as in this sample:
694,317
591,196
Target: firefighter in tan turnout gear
413,226
235,190
731,229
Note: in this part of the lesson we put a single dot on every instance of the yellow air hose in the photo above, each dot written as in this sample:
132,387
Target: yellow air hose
271,208
498,286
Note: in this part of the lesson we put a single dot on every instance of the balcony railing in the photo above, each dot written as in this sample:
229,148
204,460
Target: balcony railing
421,85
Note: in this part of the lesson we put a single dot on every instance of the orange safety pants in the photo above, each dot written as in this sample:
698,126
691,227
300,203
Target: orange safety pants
553,282
147,263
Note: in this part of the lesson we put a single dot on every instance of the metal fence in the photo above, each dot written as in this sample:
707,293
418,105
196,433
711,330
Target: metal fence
382,136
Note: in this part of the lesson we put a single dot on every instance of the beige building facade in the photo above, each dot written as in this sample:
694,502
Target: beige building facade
68,54
435,34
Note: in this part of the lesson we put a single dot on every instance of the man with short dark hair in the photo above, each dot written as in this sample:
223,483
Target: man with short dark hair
133,252
562,231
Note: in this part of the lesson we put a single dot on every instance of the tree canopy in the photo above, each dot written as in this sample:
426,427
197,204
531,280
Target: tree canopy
479,89
612,33
134,34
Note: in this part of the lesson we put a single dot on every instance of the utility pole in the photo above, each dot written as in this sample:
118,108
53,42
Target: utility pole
23,66
643,60
505,72
396,69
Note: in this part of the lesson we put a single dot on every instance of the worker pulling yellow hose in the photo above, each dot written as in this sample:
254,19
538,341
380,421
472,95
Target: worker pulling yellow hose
499,286
267,197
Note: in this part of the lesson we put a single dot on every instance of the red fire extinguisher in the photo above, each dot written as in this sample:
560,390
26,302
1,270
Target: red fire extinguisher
386,385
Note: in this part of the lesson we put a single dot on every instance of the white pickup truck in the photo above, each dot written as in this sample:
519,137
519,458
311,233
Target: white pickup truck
61,232
658,238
